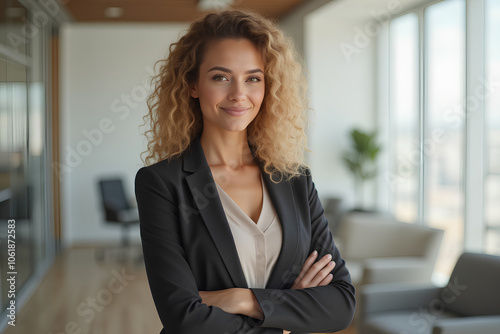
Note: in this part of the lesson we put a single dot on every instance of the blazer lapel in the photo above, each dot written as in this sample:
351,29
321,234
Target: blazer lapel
282,197
204,191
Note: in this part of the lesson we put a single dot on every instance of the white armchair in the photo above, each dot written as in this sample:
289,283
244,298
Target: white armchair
379,249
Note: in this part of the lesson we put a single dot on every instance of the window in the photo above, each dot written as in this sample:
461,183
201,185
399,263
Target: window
404,116
444,135
426,124
492,128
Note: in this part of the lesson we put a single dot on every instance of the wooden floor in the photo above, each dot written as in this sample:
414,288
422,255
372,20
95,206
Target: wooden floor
95,297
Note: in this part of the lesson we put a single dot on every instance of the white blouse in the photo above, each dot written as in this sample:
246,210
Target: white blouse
258,245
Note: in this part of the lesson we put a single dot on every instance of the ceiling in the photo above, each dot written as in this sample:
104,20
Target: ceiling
165,10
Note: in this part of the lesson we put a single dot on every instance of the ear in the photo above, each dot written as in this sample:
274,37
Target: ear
194,90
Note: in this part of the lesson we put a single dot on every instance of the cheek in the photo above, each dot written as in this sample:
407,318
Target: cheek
258,95
211,94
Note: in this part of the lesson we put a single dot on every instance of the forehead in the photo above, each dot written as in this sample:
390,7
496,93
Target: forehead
232,51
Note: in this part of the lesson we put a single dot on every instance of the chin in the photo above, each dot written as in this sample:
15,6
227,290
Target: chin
234,125
236,128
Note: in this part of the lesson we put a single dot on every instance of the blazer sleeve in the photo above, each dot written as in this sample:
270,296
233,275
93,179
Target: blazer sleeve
171,280
328,308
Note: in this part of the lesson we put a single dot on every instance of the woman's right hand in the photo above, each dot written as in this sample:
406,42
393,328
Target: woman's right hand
314,274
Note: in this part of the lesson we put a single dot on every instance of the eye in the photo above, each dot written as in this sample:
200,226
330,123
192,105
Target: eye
254,79
219,77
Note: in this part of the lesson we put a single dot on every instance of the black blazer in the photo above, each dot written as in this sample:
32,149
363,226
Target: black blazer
188,247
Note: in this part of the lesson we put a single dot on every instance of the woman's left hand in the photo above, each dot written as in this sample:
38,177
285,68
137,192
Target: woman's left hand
234,301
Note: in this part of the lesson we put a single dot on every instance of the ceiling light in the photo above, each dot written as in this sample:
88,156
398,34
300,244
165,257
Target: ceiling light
113,12
205,5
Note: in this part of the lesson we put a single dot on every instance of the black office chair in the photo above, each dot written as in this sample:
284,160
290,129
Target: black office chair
118,210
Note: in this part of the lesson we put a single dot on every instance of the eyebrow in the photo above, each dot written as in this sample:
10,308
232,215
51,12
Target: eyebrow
223,69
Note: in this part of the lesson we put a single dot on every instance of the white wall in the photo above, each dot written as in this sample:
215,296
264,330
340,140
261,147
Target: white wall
292,24
343,94
104,82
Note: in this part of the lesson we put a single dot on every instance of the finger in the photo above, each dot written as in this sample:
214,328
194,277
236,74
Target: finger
326,281
316,268
323,273
307,264
305,268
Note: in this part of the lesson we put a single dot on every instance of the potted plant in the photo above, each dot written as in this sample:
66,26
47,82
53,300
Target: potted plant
361,161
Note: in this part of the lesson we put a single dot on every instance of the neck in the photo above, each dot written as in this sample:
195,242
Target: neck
226,148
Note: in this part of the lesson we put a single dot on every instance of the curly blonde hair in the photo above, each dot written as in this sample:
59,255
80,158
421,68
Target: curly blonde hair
278,132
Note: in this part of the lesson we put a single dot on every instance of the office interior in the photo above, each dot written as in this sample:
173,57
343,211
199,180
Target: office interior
423,77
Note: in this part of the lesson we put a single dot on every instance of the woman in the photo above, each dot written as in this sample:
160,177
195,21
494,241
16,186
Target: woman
233,232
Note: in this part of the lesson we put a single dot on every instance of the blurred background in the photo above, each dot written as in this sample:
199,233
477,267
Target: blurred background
404,132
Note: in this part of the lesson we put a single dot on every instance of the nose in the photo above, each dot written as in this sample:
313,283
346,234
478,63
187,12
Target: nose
237,92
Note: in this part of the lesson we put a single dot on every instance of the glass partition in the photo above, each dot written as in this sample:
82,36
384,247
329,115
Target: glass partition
25,194
15,185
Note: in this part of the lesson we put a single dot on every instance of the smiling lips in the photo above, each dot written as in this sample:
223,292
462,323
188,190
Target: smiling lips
236,111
